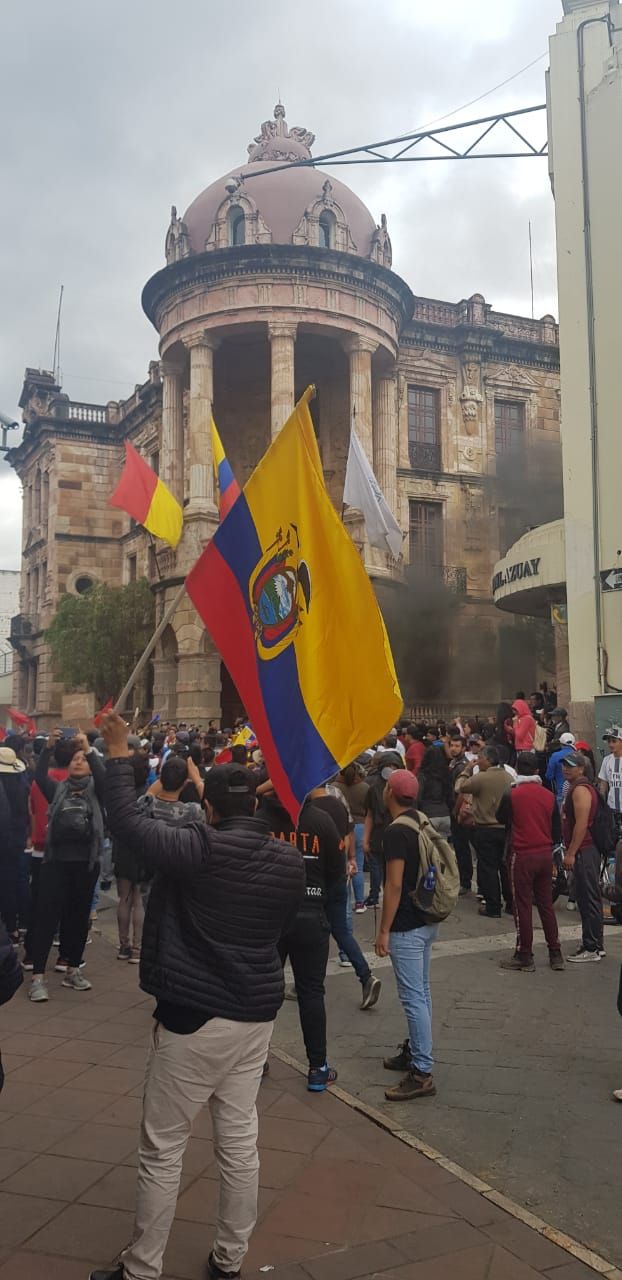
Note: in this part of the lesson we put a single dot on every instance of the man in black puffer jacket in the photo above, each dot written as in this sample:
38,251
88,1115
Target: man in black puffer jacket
221,898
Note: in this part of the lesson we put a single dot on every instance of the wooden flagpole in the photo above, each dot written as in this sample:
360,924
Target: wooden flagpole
146,654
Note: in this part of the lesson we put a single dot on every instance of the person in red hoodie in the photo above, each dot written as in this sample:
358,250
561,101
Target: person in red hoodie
524,726
532,819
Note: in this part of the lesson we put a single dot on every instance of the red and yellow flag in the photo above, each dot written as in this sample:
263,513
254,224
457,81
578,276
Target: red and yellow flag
145,497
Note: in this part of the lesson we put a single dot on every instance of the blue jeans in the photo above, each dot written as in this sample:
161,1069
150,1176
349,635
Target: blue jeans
336,909
358,880
410,957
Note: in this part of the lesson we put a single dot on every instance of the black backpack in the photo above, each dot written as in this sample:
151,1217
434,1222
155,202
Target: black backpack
72,823
603,830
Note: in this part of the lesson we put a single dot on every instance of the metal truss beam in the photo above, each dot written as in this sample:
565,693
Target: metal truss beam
449,144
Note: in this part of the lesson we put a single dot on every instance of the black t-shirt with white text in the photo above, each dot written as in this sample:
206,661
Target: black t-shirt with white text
402,843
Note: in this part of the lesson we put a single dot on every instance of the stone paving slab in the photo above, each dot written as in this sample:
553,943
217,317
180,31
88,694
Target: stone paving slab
340,1197
526,1065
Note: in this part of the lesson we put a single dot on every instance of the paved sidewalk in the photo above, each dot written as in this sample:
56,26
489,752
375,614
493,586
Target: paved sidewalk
340,1199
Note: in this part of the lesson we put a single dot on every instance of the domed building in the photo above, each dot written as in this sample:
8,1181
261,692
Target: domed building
277,277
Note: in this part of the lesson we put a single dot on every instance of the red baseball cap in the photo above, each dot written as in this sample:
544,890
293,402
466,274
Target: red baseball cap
403,784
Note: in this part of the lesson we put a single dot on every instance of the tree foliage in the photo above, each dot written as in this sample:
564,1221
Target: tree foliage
97,638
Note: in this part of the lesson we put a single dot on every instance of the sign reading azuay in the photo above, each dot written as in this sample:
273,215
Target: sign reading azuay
515,572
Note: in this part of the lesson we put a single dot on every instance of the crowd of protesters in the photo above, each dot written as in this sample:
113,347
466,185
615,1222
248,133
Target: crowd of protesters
512,802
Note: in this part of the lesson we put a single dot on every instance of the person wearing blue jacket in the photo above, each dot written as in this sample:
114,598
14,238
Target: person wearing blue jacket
554,771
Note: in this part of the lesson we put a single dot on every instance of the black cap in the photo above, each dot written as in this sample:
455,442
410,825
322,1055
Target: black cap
228,779
560,711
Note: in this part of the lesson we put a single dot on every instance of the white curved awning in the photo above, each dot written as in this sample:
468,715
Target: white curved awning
532,574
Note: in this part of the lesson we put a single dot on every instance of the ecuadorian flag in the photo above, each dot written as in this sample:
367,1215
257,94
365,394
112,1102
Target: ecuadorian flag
142,494
228,487
283,592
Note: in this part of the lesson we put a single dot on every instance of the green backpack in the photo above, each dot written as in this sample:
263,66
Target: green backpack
434,851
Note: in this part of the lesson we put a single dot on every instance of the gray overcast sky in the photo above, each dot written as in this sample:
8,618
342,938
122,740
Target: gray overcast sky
113,110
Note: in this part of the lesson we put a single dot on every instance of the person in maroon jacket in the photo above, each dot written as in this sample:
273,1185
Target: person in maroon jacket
532,820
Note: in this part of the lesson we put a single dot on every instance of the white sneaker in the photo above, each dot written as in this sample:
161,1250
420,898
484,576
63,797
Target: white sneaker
571,906
585,957
75,980
38,991
617,1095
344,962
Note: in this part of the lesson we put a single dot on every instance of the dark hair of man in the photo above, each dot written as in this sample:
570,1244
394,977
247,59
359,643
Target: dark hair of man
174,773
196,753
491,755
390,741
208,755
521,695
239,754
526,764
157,742
456,736
349,774
487,732
140,765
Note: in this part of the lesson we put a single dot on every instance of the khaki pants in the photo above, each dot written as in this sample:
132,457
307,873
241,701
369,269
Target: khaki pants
221,1064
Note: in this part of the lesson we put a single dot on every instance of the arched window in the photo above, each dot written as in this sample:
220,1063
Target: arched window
327,230
237,227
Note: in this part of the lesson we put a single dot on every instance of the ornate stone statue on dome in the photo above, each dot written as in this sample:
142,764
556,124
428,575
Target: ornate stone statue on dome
177,243
272,142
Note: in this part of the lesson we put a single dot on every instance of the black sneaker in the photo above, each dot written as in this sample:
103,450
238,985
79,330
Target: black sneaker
216,1273
400,1060
116,1274
371,991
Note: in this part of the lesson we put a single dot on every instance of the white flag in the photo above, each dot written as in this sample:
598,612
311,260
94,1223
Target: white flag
363,491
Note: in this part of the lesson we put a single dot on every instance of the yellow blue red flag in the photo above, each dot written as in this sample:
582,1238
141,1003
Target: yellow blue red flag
228,487
283,592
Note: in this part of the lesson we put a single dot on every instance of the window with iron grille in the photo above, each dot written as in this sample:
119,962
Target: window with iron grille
425,529
509,425
424,445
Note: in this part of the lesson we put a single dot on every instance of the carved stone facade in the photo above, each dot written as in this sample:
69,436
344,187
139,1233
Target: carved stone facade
273,281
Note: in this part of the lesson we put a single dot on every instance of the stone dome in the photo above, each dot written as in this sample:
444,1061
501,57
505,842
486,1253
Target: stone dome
282,207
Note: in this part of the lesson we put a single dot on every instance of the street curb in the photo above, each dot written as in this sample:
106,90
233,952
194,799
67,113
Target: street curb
579,1251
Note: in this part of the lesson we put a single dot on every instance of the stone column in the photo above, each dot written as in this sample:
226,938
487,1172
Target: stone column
282,350
200,483
360,351
172,445
385,436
